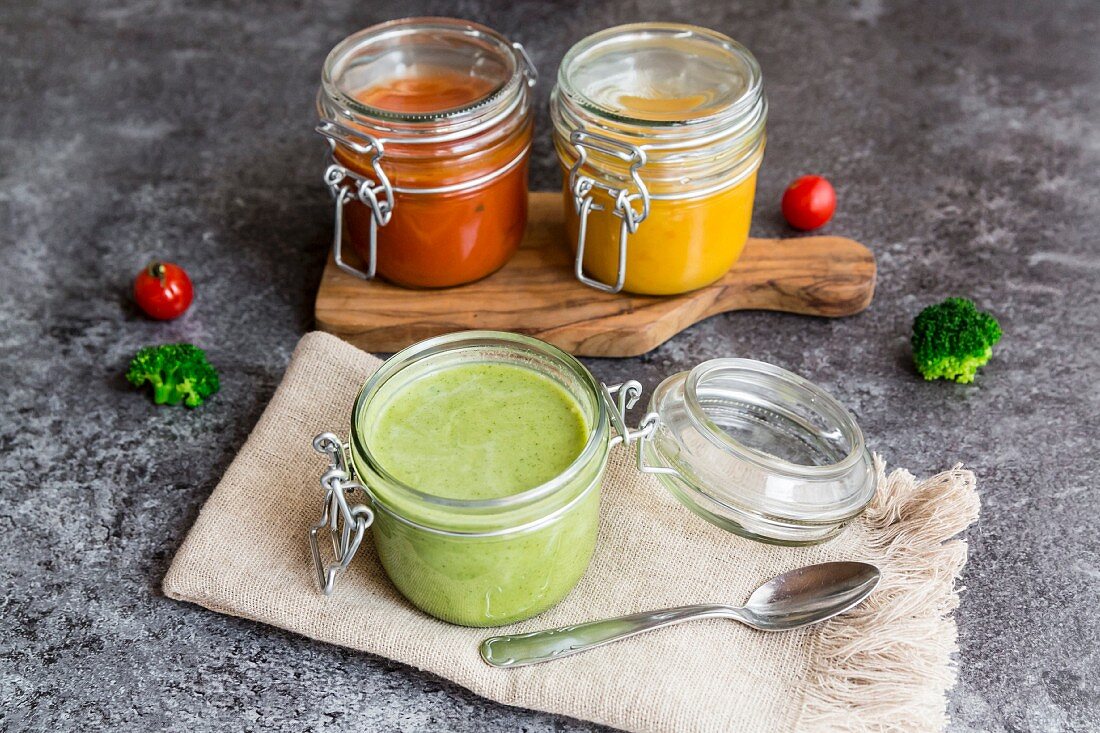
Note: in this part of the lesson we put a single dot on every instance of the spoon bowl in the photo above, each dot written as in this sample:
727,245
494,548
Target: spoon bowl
797,598
809,595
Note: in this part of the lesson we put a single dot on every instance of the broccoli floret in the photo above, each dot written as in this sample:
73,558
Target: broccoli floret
178,373
952,339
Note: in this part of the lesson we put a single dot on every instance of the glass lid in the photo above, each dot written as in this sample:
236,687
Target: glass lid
420,69
661,73
760,451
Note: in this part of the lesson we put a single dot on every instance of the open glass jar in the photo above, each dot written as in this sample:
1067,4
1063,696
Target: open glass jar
480,562
429,121
746,445
659,128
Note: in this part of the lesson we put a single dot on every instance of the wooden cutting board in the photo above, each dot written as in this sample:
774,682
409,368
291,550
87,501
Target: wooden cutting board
536,294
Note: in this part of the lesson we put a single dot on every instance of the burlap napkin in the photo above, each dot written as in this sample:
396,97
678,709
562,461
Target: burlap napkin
884,666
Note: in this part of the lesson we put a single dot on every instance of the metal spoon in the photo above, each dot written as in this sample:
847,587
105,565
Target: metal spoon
798,598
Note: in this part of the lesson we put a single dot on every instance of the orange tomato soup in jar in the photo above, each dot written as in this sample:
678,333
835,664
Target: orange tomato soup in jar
429,121
659,128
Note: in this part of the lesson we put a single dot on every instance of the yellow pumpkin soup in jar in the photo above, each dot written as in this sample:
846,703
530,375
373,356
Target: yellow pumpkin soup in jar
659,129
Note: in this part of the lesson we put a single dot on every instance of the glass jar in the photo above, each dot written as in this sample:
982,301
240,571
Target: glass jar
748,446
483,562
429,121
659,128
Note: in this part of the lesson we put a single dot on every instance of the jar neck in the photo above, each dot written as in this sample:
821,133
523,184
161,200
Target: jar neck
428,138
693,160
465,164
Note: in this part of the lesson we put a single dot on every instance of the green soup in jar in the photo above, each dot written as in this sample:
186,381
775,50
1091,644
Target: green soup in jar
483,461
479,431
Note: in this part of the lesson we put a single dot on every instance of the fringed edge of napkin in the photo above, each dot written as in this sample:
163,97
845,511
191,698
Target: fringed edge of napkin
861,674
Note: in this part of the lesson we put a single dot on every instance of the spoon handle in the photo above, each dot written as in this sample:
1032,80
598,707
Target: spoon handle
542,646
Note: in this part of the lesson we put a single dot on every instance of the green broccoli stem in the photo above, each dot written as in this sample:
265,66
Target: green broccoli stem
166,388
164,393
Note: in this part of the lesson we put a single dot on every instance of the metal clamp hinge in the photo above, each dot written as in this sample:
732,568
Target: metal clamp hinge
529,70
346,185
620,399
581,187
344,523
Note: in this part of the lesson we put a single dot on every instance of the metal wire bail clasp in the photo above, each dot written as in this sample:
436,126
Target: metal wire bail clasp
529,70
346,185
345,524
581,187
620,399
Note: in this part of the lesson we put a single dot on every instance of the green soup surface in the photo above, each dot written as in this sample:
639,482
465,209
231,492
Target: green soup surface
479,430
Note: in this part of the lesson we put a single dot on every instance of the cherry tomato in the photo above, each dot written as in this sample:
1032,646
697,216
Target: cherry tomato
163,290
809,202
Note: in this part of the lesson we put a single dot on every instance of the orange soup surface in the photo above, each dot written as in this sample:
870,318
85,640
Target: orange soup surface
431,90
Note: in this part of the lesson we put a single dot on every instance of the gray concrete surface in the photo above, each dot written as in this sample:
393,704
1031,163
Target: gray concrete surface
964,141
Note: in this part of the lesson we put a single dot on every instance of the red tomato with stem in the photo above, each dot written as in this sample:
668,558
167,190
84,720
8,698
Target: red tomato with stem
163,290
809,202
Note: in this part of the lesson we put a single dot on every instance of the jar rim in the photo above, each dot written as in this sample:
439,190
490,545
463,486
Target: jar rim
464,339
843,419
502,94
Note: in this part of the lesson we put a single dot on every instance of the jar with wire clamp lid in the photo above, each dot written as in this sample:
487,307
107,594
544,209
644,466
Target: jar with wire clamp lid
659,128
429,123
476,460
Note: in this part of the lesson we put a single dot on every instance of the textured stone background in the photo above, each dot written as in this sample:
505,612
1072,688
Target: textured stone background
964,140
